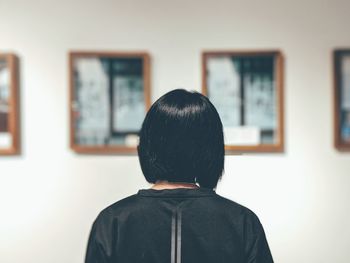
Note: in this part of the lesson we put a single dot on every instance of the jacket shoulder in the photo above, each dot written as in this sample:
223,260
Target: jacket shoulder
125,204
235,208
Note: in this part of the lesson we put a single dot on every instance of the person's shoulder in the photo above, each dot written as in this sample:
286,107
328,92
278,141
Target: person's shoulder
113,210
122,204
232,207
250,229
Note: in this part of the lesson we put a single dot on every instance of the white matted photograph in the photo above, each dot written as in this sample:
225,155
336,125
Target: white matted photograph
247,90
342,99
110,95
9,141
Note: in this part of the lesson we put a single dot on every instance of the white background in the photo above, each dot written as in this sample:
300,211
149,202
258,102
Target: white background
49,196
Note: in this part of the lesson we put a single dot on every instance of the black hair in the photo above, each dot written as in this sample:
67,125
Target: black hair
181,140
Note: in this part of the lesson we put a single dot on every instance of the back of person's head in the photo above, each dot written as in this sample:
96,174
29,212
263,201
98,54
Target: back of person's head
181,140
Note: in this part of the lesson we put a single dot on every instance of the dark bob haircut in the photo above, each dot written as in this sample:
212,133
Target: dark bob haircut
181,140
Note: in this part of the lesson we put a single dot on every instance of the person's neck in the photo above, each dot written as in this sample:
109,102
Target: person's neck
160,185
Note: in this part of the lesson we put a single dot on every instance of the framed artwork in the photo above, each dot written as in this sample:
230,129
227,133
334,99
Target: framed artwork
109,97
247,90
341,60
9,113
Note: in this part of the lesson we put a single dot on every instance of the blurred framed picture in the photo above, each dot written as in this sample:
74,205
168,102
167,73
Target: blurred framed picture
341,60
9,114
109,97
247,90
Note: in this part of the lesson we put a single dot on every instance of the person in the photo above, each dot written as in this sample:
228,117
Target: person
180,219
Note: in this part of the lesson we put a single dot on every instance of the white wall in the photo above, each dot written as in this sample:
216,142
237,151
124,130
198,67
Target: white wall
49,196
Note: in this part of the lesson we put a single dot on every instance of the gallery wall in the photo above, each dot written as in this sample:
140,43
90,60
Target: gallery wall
49,196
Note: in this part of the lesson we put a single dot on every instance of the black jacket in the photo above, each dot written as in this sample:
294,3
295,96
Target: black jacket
177,226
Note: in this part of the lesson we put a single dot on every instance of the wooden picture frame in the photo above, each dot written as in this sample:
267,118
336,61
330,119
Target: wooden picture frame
123,79
9,105
341,91
224,70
